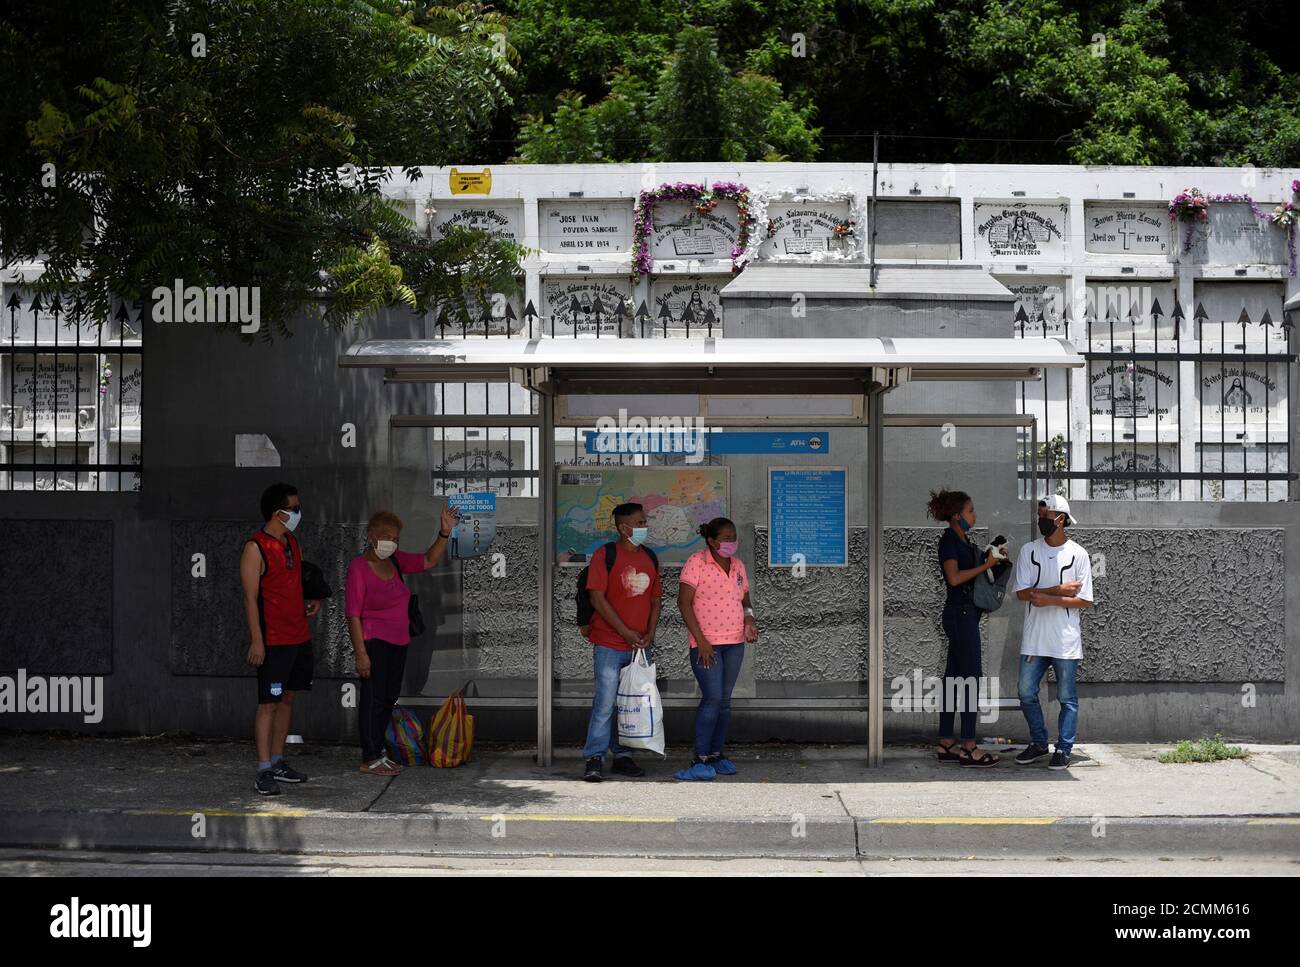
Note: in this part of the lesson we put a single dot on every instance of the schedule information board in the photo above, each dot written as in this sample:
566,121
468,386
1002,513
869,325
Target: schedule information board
808,516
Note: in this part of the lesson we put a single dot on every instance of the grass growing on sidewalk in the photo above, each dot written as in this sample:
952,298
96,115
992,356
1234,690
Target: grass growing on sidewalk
1203,750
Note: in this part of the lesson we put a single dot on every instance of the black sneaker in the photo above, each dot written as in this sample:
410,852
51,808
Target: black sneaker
266,784
283,772
624,766
594,772
1031,754
1060,760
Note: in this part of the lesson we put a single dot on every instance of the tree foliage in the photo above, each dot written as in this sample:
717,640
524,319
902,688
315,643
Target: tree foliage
243,142
969,81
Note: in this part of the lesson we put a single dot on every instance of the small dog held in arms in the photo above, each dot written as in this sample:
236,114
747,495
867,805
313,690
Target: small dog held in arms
999,550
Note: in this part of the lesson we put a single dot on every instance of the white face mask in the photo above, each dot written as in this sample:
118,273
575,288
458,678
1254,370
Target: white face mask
294,517
385,549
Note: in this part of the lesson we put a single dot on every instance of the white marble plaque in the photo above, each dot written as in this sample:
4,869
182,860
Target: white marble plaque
675,303
1111,229
484,457
1236,395
682,232
1039,307
1020,230
798,230
497,313
587,227
579,303
1127,457
1234,458
49,389
500,221
1234,236
1120,312
1142,394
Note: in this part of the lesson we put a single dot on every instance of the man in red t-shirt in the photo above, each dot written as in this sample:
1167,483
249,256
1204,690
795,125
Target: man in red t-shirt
625,600
279,639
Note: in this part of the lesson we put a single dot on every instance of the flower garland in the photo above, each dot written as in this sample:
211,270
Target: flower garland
1285,216
844,229
704,200
1192,206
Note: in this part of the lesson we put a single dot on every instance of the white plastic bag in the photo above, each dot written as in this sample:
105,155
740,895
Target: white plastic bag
640,713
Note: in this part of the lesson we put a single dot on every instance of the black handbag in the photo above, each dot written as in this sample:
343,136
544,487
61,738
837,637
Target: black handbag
314,587
414,618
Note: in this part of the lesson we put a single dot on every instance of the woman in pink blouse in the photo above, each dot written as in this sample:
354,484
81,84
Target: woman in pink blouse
377,606
713,597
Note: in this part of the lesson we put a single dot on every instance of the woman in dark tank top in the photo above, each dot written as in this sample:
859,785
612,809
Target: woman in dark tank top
960,564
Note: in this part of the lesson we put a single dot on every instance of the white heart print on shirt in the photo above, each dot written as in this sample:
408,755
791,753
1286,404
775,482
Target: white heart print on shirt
635,582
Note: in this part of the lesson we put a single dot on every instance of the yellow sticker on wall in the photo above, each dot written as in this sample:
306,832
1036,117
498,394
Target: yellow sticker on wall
471,182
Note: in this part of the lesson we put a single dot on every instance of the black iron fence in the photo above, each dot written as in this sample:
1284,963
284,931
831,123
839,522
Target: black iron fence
70,395
501,459
1148,434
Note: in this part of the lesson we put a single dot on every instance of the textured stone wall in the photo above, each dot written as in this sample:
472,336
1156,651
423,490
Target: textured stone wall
56,580
209,635
1173,606
1186,605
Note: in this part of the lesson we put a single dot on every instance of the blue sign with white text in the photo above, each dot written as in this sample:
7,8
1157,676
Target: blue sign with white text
477,528
695,441
808,516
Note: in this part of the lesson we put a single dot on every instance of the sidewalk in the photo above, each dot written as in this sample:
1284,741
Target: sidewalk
787,801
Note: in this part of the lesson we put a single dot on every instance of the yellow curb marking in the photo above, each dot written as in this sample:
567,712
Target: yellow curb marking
1274,821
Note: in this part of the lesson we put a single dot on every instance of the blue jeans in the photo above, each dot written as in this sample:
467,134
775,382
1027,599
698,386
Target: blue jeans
602,731
716,685
1032,670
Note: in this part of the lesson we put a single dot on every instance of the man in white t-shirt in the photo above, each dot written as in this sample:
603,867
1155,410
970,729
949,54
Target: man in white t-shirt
1054,576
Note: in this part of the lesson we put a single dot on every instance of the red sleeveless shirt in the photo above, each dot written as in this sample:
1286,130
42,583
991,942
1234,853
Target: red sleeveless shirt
280,604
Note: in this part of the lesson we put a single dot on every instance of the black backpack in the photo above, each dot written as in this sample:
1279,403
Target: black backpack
585,611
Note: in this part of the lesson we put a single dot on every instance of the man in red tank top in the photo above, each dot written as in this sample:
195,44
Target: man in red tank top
270,572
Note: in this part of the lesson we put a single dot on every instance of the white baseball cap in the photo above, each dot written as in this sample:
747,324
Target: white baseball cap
1058,505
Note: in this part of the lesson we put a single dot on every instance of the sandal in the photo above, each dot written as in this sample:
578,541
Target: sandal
379,767
948,753
982,761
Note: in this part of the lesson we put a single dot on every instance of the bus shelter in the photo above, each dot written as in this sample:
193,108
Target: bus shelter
722,382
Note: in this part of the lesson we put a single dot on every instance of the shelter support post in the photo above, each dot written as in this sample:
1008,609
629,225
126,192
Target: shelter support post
1033,476
545,575
875,569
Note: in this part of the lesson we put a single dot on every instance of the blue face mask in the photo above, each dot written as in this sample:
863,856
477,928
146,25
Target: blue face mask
961,522
639,535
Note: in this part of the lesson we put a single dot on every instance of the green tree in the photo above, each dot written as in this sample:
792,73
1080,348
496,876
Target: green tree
613,56
243,142
698,111
1059,81
1033,82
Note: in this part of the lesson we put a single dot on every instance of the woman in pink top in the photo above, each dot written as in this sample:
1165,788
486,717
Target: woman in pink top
377,607
714,600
